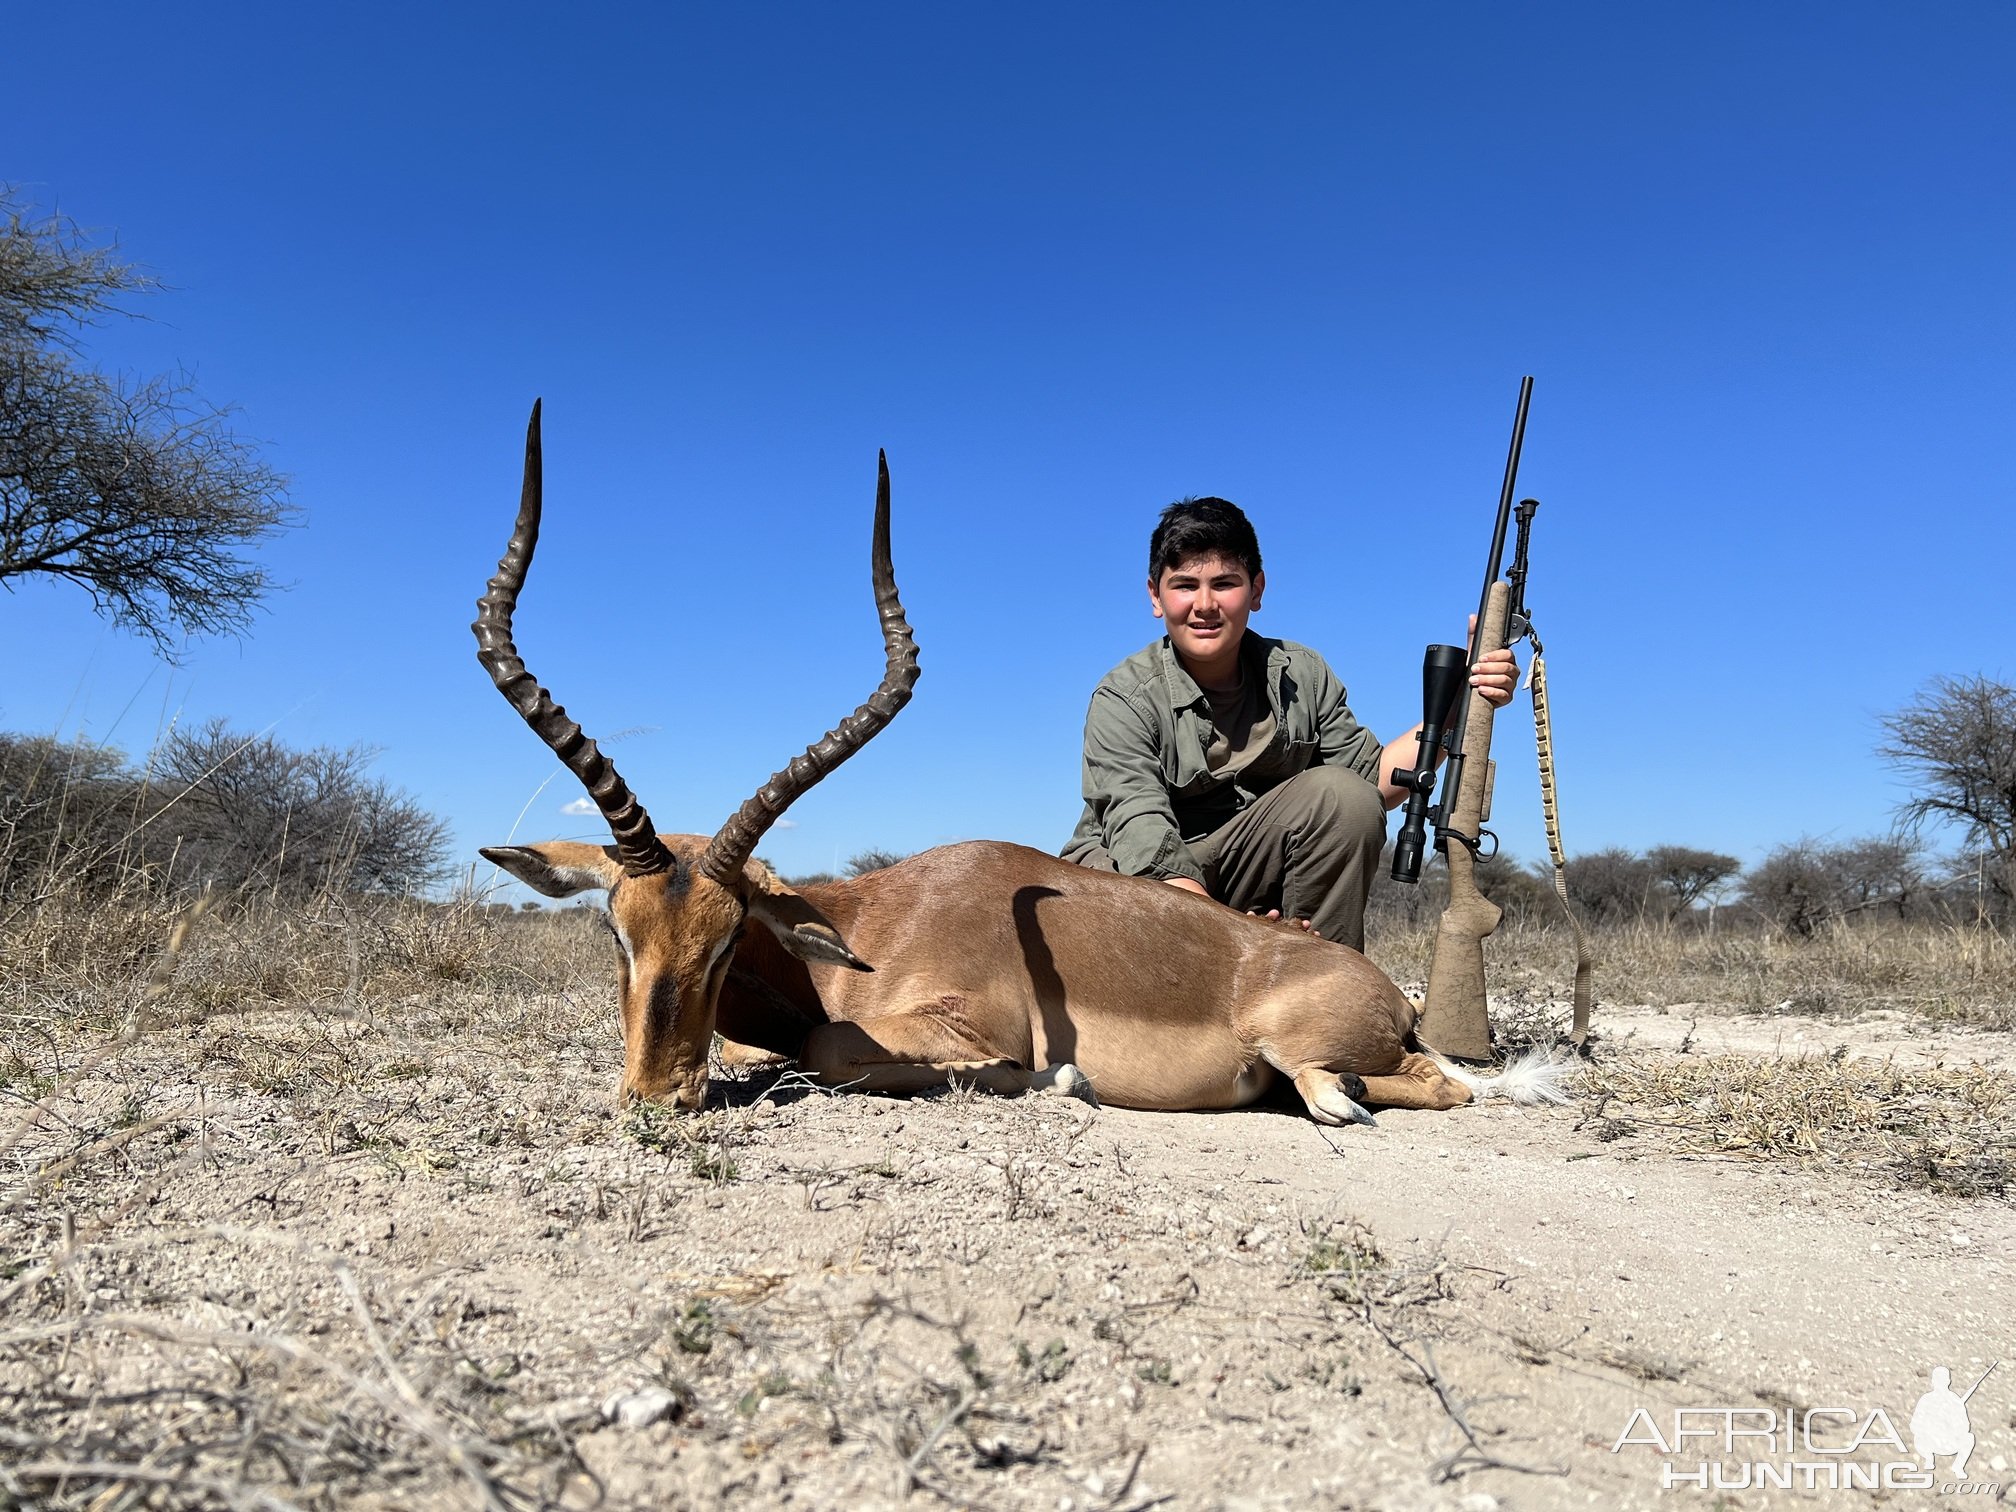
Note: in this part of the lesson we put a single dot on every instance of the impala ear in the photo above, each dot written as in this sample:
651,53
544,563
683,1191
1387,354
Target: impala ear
558,868
800,928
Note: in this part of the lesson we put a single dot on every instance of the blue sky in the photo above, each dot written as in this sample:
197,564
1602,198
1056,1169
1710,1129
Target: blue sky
1066,263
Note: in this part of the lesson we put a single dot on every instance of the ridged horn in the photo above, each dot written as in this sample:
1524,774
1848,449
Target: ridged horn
637,845
736,840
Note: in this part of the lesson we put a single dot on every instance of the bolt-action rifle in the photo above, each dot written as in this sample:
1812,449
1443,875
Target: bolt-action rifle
1454,1018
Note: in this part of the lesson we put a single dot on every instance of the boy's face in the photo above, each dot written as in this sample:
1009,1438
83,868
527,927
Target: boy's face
1205,602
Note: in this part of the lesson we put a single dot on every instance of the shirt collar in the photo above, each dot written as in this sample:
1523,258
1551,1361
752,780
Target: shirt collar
1257,658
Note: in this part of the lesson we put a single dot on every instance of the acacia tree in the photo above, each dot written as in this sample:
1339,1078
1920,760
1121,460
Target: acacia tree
211,805
1806,884
1793,887
1689,874
1956,744
1881,872
136,490
246,809
1615,886
65,806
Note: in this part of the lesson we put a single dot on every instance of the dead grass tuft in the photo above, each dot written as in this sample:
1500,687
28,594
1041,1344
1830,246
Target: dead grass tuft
1946,1130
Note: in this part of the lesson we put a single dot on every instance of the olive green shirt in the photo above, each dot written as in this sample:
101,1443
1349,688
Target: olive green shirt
1149,790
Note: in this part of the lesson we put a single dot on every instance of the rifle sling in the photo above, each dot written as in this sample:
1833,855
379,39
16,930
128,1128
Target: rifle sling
1543,736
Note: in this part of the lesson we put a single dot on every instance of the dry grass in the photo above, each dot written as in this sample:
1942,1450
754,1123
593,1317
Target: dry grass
141,1058
193,1226
77,960
1947,973
1950,1131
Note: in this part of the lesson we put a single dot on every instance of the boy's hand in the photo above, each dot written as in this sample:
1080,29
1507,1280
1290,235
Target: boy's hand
1189,884
1273,916
1497,672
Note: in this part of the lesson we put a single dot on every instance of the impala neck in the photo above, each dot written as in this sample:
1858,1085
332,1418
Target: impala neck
768,999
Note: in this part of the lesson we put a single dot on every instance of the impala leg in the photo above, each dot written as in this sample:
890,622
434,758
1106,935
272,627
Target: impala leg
1332,1097
749,1057
907,1052
1419,1083
1357,1023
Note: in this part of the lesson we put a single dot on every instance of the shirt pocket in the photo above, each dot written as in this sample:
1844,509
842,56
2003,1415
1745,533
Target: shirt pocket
1183,767
1281,760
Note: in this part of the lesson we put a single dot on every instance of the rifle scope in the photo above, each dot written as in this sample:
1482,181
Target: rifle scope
1443,673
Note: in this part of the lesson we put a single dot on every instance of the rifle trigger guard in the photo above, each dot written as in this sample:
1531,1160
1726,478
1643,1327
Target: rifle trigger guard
1475,844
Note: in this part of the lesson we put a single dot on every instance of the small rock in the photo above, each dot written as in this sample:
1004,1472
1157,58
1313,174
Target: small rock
1480,1501
1254,1237
641,1408
1960,1240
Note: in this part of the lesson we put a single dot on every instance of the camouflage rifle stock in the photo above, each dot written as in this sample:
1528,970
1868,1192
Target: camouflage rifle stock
1454,1016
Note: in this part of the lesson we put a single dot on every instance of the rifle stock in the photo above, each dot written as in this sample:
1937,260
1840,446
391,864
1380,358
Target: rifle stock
1454,1017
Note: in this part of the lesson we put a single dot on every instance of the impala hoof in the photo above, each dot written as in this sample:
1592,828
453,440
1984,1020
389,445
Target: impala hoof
1333,1106
1065,1080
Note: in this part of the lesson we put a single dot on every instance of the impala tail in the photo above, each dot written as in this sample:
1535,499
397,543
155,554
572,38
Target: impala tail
1535,1077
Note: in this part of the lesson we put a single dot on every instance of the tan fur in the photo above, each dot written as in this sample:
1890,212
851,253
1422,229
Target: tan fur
991,961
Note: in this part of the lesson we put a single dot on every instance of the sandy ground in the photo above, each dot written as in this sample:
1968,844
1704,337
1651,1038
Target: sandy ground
376,1278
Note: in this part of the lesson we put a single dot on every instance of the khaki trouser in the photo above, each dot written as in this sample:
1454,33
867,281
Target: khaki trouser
1309,847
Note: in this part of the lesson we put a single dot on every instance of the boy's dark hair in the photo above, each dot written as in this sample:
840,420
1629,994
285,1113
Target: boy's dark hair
1202,527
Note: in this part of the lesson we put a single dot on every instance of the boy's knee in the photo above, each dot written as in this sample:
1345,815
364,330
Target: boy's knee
1339,802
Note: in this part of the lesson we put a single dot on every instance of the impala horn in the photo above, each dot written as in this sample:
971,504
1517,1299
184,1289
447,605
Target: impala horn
638,847
736,840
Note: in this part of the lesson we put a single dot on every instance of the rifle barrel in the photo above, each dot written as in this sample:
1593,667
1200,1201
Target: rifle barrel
1977,1385
1497,560
1459,722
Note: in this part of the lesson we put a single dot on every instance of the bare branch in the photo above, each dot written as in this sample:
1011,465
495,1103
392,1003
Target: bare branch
1956,744
136,490
51,280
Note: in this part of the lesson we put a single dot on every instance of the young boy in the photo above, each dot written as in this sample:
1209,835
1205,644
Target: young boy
1228,763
